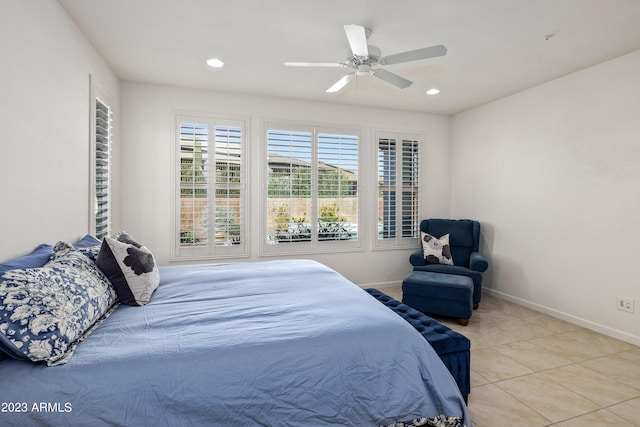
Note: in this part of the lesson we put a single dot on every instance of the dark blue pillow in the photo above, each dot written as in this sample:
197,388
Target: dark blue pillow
87,241
37,258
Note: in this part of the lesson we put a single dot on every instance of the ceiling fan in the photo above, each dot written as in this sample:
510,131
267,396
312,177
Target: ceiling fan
366,58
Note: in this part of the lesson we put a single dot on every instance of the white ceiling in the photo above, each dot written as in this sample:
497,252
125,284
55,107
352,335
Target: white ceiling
495,47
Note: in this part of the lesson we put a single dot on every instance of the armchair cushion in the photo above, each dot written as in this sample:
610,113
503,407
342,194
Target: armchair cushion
436,250
417,258
478,262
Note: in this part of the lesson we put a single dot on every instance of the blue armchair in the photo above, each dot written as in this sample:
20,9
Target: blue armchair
464,240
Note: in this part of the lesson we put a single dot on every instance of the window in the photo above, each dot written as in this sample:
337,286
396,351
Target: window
100,190
312,188
398,189
210,191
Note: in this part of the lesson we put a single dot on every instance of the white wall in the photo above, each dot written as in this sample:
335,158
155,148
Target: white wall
553,174
147,129
45,63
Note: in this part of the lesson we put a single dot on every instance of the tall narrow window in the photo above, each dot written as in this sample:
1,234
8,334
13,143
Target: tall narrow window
210,208
103,163
100,170
337,187
398,189
289,193
312,189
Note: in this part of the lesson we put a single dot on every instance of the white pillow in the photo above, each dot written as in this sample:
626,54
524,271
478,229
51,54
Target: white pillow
130,267
436,251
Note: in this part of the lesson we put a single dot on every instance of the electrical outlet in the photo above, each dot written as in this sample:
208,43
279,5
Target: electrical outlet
626,304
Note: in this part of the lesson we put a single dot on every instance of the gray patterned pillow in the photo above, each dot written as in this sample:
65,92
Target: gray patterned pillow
131,268
45,311
436,251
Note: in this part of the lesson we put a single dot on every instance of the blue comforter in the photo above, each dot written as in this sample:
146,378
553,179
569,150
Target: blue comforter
269,343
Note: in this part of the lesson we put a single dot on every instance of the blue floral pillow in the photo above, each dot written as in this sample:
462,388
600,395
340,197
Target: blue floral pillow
62,248
44,311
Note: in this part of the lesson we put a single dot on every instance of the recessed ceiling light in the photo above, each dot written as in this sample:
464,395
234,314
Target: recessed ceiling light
433,91
215,63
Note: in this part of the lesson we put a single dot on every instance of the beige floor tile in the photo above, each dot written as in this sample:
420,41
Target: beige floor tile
551,324
594,386
495,366
618,368
532,356
500,310
477,380
547,397
520,329
497,333
594,419
631,356
566,346
489,406
393,292
604,343
629,410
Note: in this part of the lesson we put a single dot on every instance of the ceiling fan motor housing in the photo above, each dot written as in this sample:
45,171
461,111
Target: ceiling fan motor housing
369,61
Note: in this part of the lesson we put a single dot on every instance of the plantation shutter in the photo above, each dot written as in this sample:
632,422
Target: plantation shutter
289,195
194,191
229,210
410,188
398,189
387,188
311,198
102,168
210,199
337,186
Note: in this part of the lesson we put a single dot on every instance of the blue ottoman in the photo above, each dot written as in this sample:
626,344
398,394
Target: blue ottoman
452,347
439,293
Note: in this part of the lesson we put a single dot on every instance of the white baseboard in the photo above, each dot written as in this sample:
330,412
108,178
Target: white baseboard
605,330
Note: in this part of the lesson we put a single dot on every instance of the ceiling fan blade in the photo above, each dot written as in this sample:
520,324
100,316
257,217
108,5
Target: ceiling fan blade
341,83
315,64
414,55
357,37
392,78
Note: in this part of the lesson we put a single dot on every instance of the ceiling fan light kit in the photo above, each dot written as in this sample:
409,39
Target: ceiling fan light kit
364,59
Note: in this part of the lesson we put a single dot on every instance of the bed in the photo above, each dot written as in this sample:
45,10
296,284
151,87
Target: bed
258,343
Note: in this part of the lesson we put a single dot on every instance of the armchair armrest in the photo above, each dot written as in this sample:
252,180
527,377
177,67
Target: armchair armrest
417,258
477,262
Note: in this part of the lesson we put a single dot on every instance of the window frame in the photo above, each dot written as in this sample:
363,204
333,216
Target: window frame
315,244
399,240
210,250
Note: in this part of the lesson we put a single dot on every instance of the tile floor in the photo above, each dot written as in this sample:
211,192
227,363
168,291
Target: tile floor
529,369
